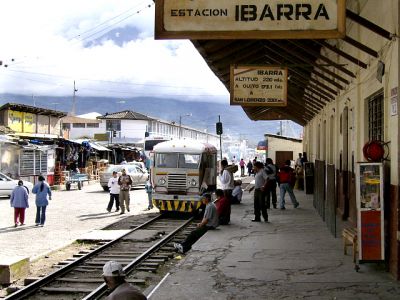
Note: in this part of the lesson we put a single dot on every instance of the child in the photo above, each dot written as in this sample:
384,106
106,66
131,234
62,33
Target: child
149,190
237,192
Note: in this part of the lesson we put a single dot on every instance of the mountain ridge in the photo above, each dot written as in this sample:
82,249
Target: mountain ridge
204,115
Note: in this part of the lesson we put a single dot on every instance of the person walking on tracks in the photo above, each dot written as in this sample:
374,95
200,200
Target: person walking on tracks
125,181
19,200
287,180
260,185
41,190
114,192
119,289
210,221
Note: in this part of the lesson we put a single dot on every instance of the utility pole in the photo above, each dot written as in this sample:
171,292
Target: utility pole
220,139
73,110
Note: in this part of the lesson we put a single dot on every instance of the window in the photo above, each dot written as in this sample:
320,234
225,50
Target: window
112,125
92,125
375,117
78,125
66,126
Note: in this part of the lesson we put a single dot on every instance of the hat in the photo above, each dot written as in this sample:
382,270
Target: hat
113,269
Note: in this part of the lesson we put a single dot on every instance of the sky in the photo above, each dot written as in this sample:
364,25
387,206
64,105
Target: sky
107,47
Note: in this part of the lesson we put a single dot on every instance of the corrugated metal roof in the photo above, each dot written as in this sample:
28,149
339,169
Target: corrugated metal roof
126,115
33,110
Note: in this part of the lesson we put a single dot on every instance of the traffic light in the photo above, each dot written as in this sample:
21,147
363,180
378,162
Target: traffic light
219,128
114,133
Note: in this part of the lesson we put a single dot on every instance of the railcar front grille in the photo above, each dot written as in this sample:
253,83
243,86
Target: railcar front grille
177,183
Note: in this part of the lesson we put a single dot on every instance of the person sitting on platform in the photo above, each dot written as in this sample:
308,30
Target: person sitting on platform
223,208
119,289
210,221
237,192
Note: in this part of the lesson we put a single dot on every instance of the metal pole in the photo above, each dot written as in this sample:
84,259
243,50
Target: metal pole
220,139
180,127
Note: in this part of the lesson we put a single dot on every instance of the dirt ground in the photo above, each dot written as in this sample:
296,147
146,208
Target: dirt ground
44,265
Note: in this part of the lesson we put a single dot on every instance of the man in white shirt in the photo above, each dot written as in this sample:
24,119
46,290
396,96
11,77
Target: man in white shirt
227,182
114,192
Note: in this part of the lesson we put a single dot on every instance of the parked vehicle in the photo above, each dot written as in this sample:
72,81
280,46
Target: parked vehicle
139,176
182,170
7,184
139,164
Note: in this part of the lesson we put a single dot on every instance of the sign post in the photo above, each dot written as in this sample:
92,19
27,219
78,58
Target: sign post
258,85
253,19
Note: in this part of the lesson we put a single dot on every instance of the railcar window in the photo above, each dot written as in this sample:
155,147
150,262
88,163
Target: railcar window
189,161
166,160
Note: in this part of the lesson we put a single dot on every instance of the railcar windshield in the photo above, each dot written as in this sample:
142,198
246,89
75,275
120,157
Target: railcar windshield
177,160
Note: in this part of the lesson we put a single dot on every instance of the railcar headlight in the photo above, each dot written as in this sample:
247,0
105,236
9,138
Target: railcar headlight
162,181
193,182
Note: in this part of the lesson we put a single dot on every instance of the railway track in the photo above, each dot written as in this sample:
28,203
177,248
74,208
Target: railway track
142,250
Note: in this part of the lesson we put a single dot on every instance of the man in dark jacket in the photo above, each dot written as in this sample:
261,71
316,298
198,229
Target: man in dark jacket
287,180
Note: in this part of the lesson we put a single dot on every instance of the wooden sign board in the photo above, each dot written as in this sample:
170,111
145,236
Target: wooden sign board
258,85
252,19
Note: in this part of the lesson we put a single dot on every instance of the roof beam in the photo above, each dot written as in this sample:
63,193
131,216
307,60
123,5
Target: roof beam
322,57
342,53
368,24
309,61
291,59
360,46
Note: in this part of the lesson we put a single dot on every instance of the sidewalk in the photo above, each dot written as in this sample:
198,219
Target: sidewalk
292,257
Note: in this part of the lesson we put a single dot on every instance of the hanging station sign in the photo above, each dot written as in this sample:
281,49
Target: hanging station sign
258,85
251,19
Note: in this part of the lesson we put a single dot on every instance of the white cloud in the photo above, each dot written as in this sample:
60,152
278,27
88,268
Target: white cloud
47,40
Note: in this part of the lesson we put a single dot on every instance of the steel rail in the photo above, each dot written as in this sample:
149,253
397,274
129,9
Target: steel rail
101,290
35,286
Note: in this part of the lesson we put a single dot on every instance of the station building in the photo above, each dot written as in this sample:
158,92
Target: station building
343,90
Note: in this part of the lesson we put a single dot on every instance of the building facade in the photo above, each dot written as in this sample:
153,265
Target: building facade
131,127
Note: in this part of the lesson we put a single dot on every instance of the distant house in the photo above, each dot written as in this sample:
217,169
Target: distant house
281,148
25,120
78,127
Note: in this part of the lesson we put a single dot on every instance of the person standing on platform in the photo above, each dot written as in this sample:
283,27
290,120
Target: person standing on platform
114,192
119,289
242,164
287,180
270,192
19,200
41,190
222,205
149,190
261,178
226,179
249,168
210,221
125,182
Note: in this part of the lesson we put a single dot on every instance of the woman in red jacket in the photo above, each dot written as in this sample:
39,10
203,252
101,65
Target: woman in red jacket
223,207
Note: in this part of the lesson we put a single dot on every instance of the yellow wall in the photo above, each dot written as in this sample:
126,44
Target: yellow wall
28,123
15,120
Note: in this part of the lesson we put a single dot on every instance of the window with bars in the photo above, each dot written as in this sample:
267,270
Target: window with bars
375,117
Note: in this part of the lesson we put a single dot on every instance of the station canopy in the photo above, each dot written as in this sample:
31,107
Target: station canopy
313,79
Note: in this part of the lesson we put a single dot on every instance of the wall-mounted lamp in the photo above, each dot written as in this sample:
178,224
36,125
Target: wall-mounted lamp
380,71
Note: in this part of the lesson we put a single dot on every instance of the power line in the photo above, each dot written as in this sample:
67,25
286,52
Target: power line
108,81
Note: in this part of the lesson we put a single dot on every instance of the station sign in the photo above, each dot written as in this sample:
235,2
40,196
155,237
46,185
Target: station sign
258,85
251,19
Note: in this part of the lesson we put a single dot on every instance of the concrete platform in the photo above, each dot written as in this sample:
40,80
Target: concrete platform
13,268
292,257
